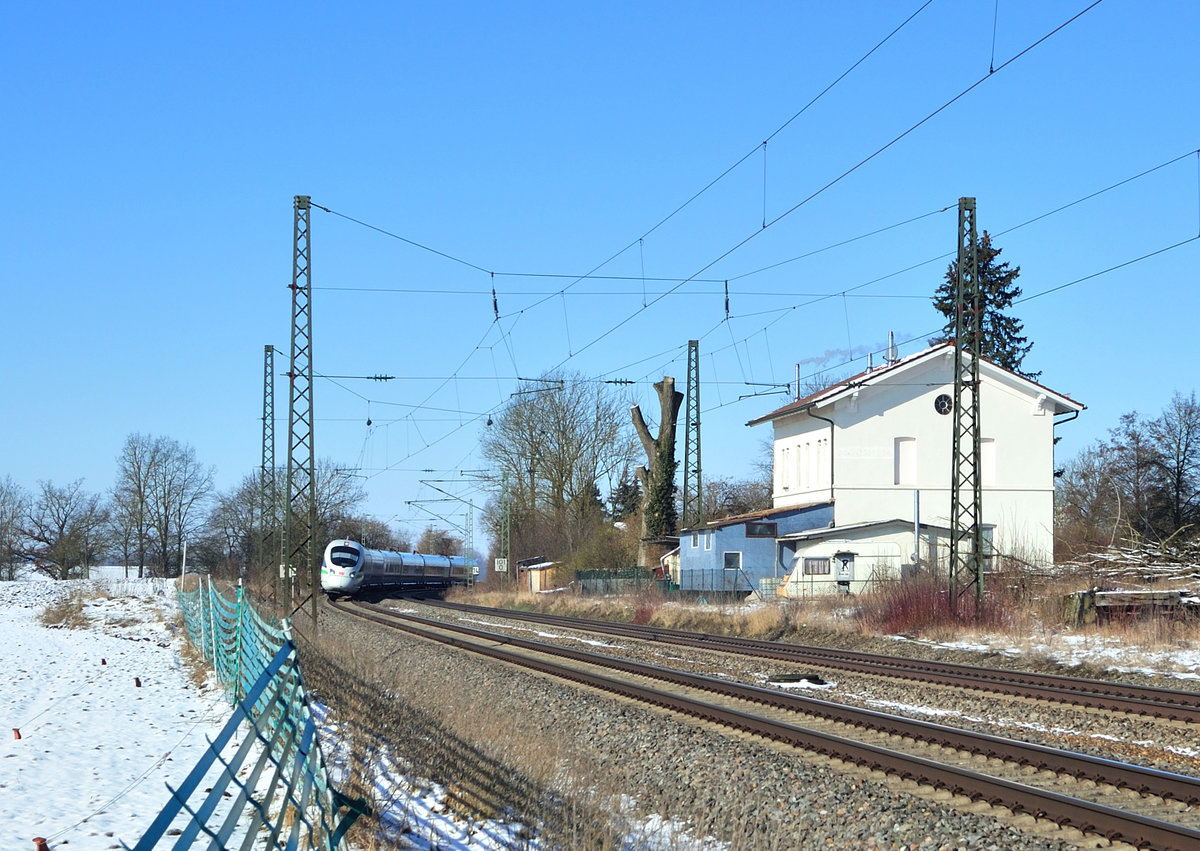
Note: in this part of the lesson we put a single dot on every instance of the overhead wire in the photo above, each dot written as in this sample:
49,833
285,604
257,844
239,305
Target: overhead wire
695,277
782,312
674,212
837,179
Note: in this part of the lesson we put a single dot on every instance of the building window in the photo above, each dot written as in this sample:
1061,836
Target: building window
695,540
762,530
733,561
987,461
904,457
708,540
816,567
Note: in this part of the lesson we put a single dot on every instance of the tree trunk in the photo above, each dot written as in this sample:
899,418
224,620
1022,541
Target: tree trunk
657,476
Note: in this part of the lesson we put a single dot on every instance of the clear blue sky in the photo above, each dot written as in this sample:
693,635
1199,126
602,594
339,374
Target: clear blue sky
152,152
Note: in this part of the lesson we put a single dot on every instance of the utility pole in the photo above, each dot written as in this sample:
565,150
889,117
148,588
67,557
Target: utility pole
966,493
267,499
504,545
693,495
301,518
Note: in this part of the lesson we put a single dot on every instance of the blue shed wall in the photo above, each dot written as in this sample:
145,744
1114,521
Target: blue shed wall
703,569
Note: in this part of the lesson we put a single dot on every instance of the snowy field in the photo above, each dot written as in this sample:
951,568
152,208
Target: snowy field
106,715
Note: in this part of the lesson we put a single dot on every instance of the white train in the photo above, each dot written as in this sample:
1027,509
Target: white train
348,567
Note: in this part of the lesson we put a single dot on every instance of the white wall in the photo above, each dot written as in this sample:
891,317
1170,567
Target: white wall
1017,458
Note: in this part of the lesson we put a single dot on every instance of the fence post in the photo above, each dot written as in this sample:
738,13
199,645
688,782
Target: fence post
212,627
237,689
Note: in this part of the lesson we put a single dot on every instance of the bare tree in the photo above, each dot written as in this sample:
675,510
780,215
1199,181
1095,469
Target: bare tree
14,508
232,528
1141,486
726,497
66,530
178,486
1176,435
1089,513
1135,464
338,493
555,440
439,542
371,533
131,498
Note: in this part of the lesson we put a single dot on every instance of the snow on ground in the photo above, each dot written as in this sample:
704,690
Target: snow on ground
1180,660
95,747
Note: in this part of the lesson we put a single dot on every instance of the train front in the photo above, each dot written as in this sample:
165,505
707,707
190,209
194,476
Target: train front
343,567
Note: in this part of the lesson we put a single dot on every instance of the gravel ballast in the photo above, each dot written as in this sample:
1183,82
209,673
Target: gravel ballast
738,789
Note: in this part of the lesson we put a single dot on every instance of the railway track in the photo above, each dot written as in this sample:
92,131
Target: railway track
1102,796
1169,704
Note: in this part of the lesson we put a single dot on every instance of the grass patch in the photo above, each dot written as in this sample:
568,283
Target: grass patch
67,613
193,660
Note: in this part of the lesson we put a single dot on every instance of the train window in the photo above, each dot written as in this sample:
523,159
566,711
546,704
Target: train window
344,556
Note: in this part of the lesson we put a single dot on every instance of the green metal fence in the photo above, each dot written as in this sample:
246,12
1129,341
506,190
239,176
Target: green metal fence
271,790
629,580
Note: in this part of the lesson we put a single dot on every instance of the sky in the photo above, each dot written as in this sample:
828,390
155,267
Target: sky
809,156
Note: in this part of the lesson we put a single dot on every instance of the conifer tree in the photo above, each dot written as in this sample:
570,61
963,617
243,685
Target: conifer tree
1001,341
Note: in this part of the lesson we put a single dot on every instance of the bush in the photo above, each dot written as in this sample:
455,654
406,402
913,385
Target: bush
67,613
921,605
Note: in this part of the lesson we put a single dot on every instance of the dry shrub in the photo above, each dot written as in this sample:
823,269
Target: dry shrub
643,612
194,663
767,622
922,606
66,613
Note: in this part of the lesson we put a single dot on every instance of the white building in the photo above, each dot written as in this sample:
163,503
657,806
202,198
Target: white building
879,443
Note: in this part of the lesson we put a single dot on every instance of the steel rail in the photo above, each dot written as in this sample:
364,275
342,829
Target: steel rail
1087,816
1171,704
1140,779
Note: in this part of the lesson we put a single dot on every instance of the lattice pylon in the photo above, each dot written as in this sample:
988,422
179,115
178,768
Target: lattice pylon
268,515
300,523
966,493
693,495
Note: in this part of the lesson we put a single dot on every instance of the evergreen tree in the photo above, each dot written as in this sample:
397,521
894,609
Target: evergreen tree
1001,340
626,496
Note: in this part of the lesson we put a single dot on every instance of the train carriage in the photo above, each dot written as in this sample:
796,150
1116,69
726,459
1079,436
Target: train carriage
348,567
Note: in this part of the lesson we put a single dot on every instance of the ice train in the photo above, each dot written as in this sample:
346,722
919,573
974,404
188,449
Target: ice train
349,567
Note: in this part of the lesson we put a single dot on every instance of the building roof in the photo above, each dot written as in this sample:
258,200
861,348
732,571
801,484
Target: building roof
541,565
1061,403
750,516
834,531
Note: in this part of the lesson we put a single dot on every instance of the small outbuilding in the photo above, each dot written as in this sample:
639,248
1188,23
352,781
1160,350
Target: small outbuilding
534,574
739,555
